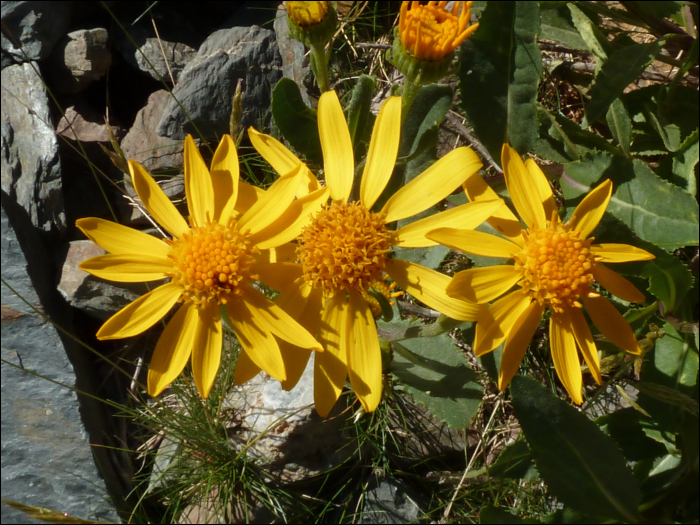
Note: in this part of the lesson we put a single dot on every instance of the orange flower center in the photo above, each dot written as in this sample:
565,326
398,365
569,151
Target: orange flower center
306,14
212,263
556,265
344,248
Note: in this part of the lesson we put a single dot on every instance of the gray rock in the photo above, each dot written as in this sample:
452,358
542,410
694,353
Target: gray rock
295,63
81,122
30,165
30,29
81,58
206,86
391,501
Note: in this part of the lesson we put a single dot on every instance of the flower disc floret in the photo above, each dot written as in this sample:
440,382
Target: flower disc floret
344,248
556,265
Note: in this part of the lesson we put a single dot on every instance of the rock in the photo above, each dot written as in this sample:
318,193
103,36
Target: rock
206,86
81,58
83,123
30,165
33,29
391,501
295,63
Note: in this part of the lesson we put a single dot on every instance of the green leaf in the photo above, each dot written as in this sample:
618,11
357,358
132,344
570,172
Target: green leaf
556,25
438,376
621,68
680,168
620,125
595,40
296,121
358,110
669,279
581,466
670,134
514,462
500,68
427,112
495,515
625,428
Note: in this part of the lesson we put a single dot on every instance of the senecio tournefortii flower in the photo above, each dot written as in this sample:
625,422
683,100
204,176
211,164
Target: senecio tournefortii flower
556,266
341,282
210,262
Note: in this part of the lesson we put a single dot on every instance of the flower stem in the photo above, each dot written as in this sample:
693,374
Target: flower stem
408,95
319,66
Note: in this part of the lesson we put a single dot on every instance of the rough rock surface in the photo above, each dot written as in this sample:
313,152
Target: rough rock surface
78,60
80,122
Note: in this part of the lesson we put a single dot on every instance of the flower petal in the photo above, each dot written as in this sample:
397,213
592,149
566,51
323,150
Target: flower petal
483,285
611,323
128,268
198,185
156,201
141,314
248,195
206,352
245,370
467,216
330,366
225,174
259,343
288,226
523,191
495,323
383,149
433,185
272,203
564,355
116,238
280,276
617,285
429,287
591,209
472,241
285,253
620,253
503,220
338,157
544,190
519,338
364,354
585,342
173,349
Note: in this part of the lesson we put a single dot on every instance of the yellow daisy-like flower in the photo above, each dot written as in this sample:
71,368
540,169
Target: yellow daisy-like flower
341,283
233,229
555,267
307,14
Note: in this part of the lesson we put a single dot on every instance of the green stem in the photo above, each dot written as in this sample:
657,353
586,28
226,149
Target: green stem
319,66
408,95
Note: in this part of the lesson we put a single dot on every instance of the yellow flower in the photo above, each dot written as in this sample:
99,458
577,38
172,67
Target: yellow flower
233,229
555,267
339,286
306,14
429,32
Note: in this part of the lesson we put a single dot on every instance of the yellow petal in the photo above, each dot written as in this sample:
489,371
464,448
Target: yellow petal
245,370
330,366
248,195
224,177
433,185
619,253
270,317
523,191
495,323
258,343
198,185
544,190
128,268
503,220
157,202
518,340
564,355
465,217
472,241
338,158
206,352
173,349
280,276
288,226
383,149
116,238
591,209
617,285
364,354
429,287
585,342
140,315
483,285
611,324
272,203
285,253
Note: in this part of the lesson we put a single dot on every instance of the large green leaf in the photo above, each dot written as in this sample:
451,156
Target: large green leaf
620,125
581,466
625,428
437,375
595,39
514,462
556,25
358,110
296,121
500,68
621,68
427,112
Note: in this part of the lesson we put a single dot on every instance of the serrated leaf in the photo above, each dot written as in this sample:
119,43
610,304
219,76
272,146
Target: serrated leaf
581,466
514,462
624,427
621,68
595,40
680,168
620,125
500,68
296,121
358,110
438,376
556,25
